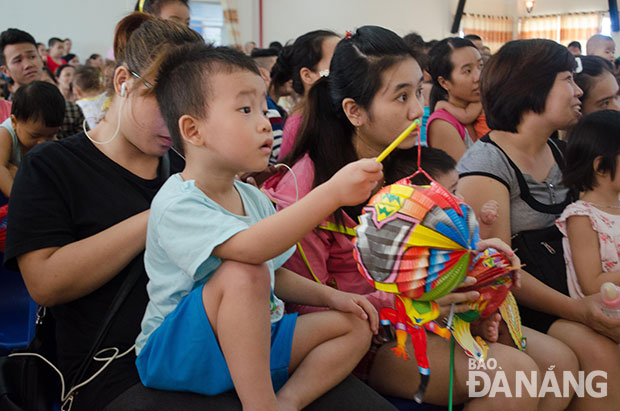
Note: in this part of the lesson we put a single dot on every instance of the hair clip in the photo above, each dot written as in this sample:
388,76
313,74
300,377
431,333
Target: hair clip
579,67
141,6
347,35
324,73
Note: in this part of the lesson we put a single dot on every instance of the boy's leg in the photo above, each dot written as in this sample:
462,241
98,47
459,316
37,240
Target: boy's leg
236,300
327,345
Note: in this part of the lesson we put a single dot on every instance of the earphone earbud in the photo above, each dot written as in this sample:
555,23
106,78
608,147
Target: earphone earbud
123,87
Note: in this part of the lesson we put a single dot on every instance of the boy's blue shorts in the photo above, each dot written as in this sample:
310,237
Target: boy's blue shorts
184,355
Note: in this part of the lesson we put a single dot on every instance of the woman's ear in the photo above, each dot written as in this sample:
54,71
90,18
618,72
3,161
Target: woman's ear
444,83
355,113
121,76
308,77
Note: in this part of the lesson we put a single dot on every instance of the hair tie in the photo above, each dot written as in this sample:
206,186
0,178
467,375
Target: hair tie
579,67
347,35
141,6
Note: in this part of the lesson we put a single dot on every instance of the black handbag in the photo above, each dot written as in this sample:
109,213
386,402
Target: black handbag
540,250
27,382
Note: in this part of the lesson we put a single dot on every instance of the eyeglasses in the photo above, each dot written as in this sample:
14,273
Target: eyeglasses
136,75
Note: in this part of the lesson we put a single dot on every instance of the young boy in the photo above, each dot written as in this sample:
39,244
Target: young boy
215,246
55,53
37,113
602,46
90,93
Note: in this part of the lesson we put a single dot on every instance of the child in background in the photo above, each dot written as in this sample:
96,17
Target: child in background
54,54
215,247
90,93
306,61
471,114
37,112
95,60
602,46
591,226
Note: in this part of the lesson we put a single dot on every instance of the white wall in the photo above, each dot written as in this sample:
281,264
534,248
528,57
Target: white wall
284,20
562,6
88,23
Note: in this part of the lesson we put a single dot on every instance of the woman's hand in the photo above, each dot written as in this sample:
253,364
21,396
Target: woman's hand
446,301
355,304
593,316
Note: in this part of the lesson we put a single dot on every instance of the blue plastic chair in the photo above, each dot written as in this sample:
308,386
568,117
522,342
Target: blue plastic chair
17,312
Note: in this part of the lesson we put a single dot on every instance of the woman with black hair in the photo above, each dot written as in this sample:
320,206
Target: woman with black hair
302,63
518,166
597,80
372,93
175,10
455,66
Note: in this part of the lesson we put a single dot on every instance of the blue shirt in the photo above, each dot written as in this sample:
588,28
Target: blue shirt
183,229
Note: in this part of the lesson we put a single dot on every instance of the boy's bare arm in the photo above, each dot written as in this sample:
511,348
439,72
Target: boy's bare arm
6,177
297,289
272,236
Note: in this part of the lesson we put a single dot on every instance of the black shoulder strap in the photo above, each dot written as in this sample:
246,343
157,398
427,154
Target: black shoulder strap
119,299
525,191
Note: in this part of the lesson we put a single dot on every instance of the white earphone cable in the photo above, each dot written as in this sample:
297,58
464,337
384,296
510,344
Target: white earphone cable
294,179
118,125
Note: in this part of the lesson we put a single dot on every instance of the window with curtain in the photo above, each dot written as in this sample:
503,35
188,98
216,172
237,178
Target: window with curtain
562,28
494,30
232,34
207,18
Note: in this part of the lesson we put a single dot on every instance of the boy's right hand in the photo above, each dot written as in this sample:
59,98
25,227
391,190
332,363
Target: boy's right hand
353,183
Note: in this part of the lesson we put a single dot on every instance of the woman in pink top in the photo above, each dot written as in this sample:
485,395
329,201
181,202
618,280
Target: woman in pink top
373,92
455,68
303,63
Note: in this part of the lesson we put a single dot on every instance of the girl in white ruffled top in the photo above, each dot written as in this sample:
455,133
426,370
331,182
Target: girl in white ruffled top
591,226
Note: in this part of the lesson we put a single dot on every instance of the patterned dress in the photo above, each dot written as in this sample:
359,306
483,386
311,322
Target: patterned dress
606,225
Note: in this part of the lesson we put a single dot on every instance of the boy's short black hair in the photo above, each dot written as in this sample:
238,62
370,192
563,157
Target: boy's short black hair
517,79
268,52
37,101
54,40
403,163
574,44
472,37
13,36
275,45
181,87
595,135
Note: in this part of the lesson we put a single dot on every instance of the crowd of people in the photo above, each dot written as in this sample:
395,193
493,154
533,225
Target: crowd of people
229,182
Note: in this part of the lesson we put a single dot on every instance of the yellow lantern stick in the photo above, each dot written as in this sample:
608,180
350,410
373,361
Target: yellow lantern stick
399,139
